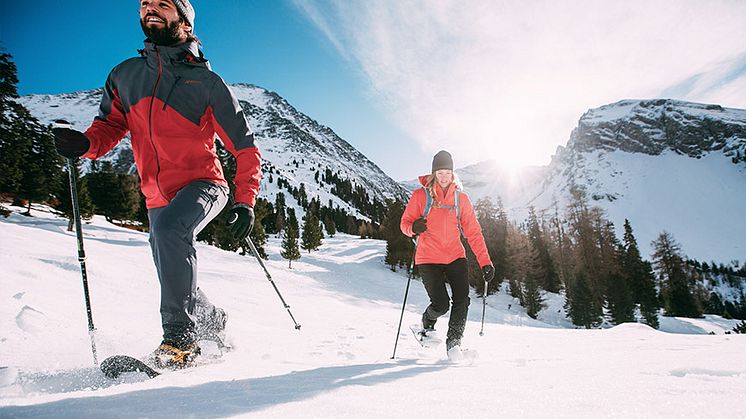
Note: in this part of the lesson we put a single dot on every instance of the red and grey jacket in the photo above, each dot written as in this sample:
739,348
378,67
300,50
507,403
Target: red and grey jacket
441,242
173,105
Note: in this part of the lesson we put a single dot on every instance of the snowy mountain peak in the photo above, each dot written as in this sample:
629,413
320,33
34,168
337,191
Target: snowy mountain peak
653,126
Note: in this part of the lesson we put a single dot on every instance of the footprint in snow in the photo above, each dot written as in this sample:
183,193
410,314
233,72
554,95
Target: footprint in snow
30,319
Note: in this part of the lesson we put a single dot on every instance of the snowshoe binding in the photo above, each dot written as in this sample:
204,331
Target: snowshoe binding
175,356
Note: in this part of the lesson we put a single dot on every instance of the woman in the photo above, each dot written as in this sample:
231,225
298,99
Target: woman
440,256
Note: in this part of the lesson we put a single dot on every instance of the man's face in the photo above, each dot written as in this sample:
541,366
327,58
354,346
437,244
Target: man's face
161,23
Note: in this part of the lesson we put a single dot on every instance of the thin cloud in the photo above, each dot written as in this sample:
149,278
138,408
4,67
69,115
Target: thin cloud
509,80
319,19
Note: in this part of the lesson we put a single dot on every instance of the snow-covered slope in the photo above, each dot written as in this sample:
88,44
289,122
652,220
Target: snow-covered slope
339,364
662,164
293,145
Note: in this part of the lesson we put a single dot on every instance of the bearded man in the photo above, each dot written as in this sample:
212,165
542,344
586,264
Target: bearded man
173,106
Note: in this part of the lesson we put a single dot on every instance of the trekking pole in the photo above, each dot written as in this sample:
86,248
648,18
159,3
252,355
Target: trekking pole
406,292
81,255
484,304
269,277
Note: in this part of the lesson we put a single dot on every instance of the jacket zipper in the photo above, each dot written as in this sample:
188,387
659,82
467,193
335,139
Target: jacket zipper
150,125
168,96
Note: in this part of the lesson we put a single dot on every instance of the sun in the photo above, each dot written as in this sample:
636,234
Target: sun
510,155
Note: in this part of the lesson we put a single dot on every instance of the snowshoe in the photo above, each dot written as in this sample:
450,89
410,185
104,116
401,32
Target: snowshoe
171,355
426,338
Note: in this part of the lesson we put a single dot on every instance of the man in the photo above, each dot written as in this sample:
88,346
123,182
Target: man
173,105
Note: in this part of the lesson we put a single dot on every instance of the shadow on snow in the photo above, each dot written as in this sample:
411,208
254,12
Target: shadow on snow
222,398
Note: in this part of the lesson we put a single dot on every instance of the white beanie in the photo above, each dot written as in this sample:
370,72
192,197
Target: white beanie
186,11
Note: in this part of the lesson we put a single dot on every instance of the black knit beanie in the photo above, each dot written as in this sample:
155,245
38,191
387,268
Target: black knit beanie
442,160
186,11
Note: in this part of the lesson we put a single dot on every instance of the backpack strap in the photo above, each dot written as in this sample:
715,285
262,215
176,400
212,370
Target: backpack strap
456,198
428,203
457,195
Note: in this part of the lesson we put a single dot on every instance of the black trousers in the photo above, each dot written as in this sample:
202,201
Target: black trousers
434,277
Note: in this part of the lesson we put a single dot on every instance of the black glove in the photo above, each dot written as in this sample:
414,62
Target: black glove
419,225
488,272
69,142
240,221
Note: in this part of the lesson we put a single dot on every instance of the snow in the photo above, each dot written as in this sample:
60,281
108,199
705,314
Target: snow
611,112
339,364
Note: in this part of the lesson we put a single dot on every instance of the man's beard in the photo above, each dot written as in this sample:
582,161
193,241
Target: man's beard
167,36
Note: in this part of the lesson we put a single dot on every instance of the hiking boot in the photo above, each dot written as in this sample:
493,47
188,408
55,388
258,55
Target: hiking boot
452,343
172,354
210,320
454,352
427,324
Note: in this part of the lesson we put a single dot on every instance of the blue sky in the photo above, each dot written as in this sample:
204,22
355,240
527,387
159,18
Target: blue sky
402,79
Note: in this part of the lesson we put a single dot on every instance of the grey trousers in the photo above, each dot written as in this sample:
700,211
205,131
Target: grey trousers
173,229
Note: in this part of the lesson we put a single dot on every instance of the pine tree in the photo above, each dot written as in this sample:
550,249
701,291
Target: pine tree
258,235
580,303
280,212
544,271
42,166
312,234
559,246
330,226
12,146
675,287
621,304
586,252
741,307
649,302
532,298
617,290
398,246
290,250
29,163
519,255
302,196
494,223
714,305
640,278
